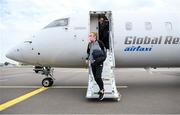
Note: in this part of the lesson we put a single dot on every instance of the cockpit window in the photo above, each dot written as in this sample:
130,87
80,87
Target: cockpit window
57,23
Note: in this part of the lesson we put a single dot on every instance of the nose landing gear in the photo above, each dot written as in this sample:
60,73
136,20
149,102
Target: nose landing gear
49,80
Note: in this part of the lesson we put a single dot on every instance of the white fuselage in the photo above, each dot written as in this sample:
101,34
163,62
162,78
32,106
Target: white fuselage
138,40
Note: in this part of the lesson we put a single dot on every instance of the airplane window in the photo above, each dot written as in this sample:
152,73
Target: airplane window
128,25
148,26
168,26
57,23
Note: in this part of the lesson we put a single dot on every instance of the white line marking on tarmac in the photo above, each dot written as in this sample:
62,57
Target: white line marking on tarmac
3,80
54,87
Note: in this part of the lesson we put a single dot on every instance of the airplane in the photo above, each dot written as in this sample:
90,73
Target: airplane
136,39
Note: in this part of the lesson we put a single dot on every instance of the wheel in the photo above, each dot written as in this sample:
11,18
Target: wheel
47,82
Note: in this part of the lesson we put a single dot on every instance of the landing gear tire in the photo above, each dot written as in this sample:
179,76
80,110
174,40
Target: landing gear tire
47,82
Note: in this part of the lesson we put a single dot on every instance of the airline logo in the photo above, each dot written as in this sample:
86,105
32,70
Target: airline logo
137,42
150,40
138,48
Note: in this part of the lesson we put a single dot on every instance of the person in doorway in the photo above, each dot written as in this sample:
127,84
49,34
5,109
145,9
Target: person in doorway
96,55
104,31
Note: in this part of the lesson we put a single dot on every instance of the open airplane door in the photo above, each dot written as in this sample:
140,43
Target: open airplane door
107,73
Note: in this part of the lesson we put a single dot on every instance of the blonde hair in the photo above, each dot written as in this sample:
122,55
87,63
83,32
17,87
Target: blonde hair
94,33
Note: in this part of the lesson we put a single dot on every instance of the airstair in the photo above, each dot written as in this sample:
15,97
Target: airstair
108,79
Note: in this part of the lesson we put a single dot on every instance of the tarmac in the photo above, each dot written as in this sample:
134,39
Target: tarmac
155,92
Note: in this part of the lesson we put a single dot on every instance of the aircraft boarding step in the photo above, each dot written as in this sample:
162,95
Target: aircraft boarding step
108,79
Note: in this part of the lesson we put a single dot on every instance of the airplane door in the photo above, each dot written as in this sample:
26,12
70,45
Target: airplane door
94,27
94,24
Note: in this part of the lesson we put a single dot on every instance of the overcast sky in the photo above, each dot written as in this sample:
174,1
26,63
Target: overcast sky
19,19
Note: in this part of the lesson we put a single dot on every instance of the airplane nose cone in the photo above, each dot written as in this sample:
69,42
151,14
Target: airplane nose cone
14,54
10,54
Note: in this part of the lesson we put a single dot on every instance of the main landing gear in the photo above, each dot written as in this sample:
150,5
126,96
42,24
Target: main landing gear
49,80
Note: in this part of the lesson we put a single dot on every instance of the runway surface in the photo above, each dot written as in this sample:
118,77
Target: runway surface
142,92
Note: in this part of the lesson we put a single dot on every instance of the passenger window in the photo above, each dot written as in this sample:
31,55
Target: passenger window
58,23
148,26
128,26
168,26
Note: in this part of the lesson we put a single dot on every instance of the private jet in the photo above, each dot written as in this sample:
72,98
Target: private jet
136,39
